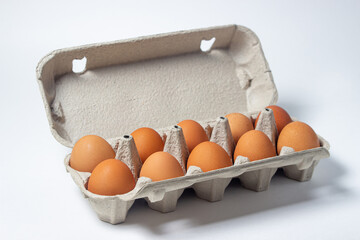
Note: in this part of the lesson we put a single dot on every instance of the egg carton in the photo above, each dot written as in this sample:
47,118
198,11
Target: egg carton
163,196
157,81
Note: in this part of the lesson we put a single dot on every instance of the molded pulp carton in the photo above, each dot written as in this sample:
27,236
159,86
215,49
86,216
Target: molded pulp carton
158,81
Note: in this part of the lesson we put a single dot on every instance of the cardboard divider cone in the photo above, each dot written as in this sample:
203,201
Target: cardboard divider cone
221,134
267,125
128,154
175,145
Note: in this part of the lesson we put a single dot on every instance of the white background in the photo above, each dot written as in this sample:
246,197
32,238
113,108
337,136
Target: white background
313,49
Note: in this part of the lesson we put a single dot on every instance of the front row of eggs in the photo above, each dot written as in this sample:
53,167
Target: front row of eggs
111,176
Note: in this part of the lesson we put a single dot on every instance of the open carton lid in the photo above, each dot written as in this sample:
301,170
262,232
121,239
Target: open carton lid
155,81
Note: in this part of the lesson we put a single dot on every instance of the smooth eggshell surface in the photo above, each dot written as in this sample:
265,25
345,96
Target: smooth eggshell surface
239,124
89,151
194,133
209,156
111,177
299,136
160,166
147,141
254,145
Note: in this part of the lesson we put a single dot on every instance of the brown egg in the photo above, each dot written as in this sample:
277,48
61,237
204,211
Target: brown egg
89,151
160,166
299,136
209,156
111,177
239,124
254,145
147,141
282,118
194,133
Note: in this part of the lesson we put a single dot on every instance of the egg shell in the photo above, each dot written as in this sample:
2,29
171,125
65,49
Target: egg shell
89,151
209,156
194,133
161,166
299,136
111,177
239,124
147,142
254,145
282,118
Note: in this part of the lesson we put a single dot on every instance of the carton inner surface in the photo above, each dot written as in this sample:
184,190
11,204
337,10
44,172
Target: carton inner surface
114,97
116,100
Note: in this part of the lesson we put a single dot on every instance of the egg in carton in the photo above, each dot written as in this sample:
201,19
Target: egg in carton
183,80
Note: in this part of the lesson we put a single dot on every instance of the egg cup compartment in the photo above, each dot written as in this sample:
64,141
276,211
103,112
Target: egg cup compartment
258,180
167,203
211,190
304,170
301,175
111,210
157,81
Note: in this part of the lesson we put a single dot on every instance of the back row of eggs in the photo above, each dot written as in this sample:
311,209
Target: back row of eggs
111,177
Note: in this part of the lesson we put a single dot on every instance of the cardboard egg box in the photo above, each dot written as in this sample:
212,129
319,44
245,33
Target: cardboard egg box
158,81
